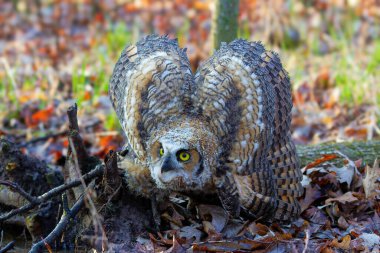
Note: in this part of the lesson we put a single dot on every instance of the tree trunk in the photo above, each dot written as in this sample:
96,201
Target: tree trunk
368,151
225,21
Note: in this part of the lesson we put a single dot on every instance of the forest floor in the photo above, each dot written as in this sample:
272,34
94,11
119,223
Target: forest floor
53,55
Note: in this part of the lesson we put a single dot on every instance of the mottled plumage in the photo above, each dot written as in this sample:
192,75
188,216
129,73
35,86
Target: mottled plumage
224,130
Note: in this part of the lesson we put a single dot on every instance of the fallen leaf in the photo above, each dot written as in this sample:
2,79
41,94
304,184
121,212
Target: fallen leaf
344,174
312,193
315,215
258,229
210,230
342,223
357,244
344,244
233,228
370,240
324,158
345,198
173,217
190,232
175,248
235,245
40,116
215,214
371,181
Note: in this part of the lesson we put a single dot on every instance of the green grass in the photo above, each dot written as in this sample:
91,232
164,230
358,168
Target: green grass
373,66
243,31
354,70
117,39
355,78
112,122
79,82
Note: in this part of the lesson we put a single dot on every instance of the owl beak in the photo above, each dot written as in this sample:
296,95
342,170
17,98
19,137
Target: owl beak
167,165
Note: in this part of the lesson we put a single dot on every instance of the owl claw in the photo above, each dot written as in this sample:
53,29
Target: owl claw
230,203
124,151
228,195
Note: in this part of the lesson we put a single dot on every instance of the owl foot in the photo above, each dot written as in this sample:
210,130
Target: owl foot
228,195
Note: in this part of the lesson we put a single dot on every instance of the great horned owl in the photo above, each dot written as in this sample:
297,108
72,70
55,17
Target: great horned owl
224,130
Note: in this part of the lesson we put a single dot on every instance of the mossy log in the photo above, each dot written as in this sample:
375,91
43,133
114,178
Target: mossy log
368,151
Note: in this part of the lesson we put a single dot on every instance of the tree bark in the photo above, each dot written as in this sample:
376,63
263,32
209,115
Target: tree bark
368,151
225,21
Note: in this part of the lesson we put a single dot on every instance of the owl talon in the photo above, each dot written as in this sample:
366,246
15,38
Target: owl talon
230,203
228,195
124,151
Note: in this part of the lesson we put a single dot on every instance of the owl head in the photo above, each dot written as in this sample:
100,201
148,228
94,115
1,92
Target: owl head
182,157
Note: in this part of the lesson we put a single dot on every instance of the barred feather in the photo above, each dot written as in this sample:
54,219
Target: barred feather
239,100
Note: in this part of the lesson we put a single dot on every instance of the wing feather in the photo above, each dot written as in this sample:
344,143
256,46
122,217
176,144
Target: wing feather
150,84
244,92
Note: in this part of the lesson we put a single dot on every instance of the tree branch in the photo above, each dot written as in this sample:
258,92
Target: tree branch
58,230
97,171
16,188
7,247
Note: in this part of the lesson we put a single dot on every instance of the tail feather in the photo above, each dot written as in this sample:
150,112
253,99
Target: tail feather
288,176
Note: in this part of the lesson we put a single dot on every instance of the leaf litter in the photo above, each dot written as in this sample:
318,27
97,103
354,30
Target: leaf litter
340,205
336,216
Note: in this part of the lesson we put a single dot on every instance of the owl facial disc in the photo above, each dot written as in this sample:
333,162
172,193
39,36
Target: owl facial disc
177,160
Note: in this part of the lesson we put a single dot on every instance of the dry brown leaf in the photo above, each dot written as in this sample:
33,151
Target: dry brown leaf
209,228
327,250
324,158
176,248
371,181
344,244
315,215
348,197
233,228
215,214
190,233
342,223
41,116
235,245
312,193
357,244
258,229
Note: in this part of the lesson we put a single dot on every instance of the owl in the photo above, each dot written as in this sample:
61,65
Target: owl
224,130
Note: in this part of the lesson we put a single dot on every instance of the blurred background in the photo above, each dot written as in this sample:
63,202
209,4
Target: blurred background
54,53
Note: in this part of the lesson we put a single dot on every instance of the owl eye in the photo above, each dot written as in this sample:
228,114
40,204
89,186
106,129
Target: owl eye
184,156
161,152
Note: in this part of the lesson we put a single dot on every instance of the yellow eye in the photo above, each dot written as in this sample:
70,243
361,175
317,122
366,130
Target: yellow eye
184,156
161,151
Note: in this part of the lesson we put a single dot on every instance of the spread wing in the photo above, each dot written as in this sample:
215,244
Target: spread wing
244,93
151,83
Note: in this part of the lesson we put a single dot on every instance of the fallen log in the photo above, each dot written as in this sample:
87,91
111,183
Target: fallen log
366,150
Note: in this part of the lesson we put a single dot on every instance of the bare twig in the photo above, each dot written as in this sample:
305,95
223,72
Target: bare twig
112,182
75,137
16,188
97,171
96,218
7,247
42,138
307,239
111,178
58,230
72,115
